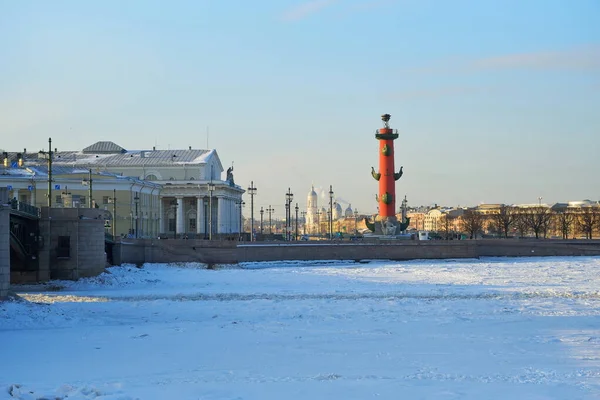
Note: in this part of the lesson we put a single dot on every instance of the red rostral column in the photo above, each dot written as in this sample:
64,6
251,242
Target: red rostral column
386,176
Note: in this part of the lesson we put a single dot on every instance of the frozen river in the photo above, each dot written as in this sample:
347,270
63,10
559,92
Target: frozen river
520,328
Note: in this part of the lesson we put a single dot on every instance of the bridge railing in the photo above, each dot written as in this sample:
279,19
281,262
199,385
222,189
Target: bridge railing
25,208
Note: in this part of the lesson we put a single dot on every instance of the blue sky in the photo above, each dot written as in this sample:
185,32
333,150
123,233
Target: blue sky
495,101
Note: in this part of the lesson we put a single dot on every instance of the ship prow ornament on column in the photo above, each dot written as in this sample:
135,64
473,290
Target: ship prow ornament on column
385,222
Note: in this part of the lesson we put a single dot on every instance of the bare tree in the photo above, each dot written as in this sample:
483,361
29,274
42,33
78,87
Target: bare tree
588,219
565,220
520,223
504,219
537,219
446,225
472,222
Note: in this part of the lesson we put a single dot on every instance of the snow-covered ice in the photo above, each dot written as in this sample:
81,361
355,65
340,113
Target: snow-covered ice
506,328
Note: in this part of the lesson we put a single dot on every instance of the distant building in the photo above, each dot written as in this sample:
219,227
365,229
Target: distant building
113,196
191,184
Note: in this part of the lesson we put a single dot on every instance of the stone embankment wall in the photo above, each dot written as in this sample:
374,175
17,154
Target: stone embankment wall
84,228
4,251
165,251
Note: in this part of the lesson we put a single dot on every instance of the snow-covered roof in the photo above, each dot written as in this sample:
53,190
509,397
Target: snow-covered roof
106,147
129,158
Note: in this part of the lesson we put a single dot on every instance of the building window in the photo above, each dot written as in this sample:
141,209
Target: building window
193,224
104,199
58,199
151,177
63,250
171,224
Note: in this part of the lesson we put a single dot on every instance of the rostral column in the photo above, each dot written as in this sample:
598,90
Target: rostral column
387,178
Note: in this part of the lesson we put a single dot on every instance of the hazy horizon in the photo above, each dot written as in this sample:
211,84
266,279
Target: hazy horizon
495,102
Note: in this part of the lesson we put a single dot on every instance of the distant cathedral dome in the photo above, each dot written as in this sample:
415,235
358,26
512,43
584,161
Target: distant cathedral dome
337,211
311,198
348,212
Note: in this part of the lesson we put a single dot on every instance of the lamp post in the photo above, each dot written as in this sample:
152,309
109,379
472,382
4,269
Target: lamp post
114,223
261,220
252,191
211,188
330,212
240,204
136,200
296,208
319,223
174,205
355,222
270,210
130,234
88,182
49,155
288,196
287,220
303,215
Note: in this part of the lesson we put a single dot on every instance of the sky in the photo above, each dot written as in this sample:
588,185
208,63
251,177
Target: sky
495,101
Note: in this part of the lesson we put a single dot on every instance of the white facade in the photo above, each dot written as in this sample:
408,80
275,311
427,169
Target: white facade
192,185
128,206
311,211
432,220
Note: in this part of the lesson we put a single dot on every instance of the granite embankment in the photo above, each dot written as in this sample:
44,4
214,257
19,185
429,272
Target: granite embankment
141,251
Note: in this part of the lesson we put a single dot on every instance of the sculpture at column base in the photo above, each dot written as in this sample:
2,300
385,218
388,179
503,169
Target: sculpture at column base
388,226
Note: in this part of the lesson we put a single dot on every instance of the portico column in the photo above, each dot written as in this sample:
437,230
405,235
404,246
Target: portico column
230,216
180,222
199,214
220,218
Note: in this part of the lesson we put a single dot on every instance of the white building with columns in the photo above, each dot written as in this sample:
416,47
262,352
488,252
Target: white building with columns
195,200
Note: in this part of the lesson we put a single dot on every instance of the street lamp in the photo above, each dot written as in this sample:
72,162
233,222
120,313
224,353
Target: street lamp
303,215
296,208
252,191
289,196
136,200
211,188
49,155
270,210
287,213
88,182
355,222
261,220
174,205
240,204
319,223
114,223
330,212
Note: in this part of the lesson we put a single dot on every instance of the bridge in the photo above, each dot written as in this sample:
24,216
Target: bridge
25,241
